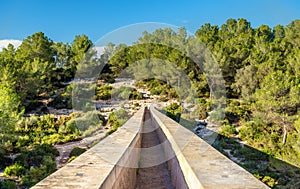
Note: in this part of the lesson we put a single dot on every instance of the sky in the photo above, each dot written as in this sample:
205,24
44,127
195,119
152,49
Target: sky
61,20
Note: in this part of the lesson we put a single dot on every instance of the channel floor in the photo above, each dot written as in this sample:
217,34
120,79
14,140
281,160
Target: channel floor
153,171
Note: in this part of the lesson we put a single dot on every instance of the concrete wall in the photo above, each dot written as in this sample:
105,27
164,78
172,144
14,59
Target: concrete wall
197,162
177,176
106,165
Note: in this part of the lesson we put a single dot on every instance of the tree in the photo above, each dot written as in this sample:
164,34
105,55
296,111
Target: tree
34,66
36,46
277,98
9,113
279,32
208,34
246,81
9,67
292,32
62,61
82,56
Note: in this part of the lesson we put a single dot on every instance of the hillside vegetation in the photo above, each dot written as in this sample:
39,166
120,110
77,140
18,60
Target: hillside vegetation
260,67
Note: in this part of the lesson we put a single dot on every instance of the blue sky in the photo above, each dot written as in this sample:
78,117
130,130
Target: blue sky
61,20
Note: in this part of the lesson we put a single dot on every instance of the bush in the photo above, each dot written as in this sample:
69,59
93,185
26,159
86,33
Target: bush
35,157
14,170
112,130
71,137
250,165
174,111
33,176
63,99
48,149
223,144
158,87
202,109
77,151
236,111
88,120
71,126
108,78
46,129
104,92
135,95
52,139
227,130
8,184
117,119
49,165
124,93
217,115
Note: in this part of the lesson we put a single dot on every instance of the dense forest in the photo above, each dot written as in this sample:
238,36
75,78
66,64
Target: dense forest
260,68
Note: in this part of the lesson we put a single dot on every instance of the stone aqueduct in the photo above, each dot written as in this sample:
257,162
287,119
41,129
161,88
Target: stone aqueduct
115,162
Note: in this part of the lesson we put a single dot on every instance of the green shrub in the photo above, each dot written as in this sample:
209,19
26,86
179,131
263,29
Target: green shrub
174,111
46,129
227,130
217,115
49,165
47,149
245,151
117,119
135,95
70,127
250,165
158,87
35,157
14,170
77,151
124,93
33,176
223,144
90,131
89,119
104,92
236,111
71,137
8,184
52,139
201,108
63,99
108,78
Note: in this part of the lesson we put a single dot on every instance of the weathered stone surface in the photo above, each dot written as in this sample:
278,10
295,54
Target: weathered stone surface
110,164
202,165
113,162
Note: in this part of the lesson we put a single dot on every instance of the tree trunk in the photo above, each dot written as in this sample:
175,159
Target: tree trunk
284,134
